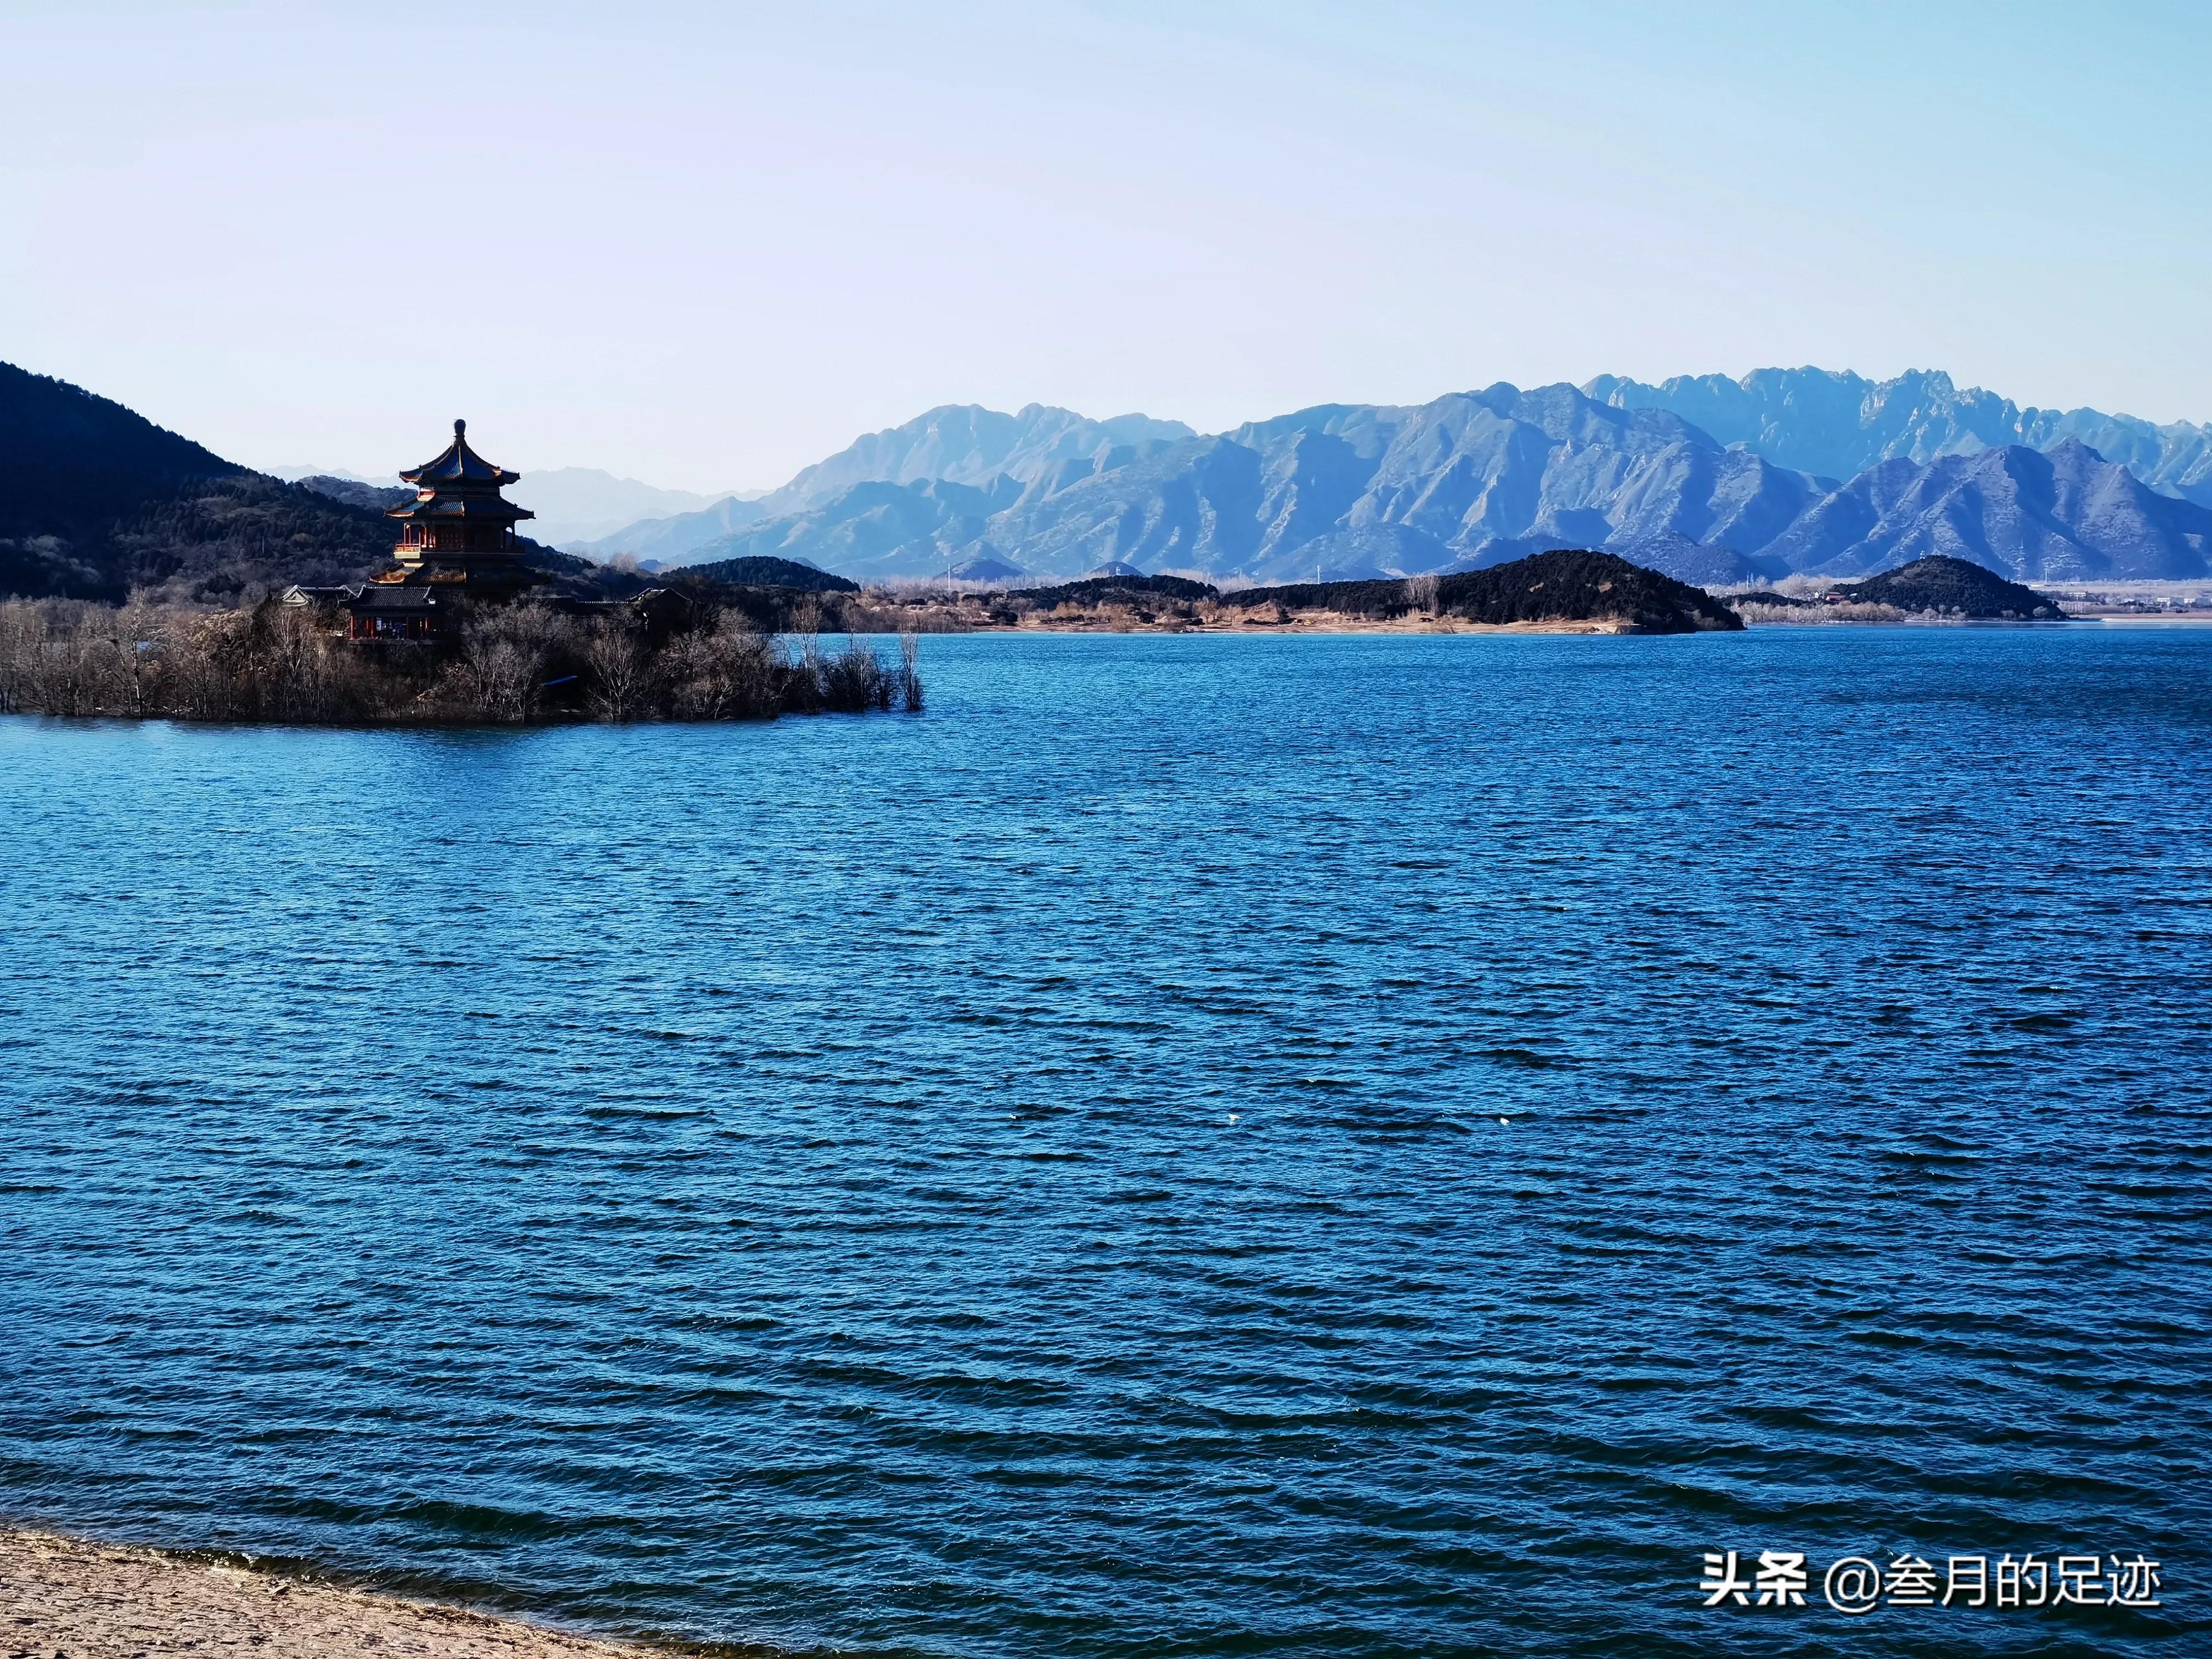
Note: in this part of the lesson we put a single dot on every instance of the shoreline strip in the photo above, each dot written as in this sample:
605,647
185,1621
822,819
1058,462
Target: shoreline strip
96,1600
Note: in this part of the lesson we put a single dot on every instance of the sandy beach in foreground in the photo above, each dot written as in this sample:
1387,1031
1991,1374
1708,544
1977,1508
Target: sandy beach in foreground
87,1600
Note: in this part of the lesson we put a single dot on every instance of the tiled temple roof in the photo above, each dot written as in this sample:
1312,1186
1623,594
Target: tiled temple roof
459,465
393,596
459,507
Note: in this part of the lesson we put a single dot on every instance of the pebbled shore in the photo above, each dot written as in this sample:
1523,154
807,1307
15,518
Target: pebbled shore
87,1600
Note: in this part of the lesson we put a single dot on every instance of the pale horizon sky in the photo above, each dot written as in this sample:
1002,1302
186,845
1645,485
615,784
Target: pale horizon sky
703,245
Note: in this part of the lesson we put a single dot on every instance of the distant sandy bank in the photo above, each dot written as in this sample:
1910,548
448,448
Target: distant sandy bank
88,1601
1312,622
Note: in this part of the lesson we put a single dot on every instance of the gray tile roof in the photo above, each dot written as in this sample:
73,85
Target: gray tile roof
393,596
458,464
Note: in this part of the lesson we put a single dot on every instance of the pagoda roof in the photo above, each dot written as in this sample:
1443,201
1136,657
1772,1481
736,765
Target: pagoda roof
458,507
458,464
392,596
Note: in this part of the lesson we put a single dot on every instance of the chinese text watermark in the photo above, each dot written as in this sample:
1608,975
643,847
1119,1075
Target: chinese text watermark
1858,1583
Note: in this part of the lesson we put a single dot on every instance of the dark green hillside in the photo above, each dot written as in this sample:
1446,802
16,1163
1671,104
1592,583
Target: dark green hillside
353,493
71,462
1570,585
1956,587
1120,590
96,501
213,541
1359,599
1565,585
762,570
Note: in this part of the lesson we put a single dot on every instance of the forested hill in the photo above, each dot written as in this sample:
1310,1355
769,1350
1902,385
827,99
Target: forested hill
1562,584
69,461
1954,587
96,501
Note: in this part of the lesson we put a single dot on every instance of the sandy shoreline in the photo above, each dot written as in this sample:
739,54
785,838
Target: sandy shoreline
1298,623
91,1600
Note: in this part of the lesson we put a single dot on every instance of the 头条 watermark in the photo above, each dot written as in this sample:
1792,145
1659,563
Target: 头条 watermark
1859,1584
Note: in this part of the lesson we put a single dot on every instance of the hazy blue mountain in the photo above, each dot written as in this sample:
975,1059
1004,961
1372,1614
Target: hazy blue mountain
1709,479
1342,492
678,539
1702,564
2067,514
1355,491
580,504
958,443
876,530
1348,491
964,443
1837,425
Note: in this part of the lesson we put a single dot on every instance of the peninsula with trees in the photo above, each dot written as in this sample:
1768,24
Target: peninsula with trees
181,587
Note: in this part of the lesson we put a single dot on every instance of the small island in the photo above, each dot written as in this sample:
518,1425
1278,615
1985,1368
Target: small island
1565,591
1936,588
470,624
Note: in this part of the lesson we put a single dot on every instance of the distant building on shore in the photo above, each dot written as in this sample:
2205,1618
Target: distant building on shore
457,547
457,542
459,528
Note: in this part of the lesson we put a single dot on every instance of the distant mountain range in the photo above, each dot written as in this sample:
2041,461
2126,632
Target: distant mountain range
956,444
575,505
1354,491
1837,426
1709,480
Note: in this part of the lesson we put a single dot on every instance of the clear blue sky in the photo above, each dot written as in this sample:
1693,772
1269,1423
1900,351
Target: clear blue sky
703,245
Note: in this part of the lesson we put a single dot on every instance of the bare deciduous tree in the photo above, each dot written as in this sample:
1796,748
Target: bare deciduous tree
287,663
910,670
622,674
504,651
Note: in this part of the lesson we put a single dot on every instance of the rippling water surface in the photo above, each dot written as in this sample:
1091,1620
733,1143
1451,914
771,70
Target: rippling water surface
1194,1145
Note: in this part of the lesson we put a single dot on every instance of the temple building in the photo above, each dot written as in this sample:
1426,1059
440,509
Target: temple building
456,543
457,547
459,527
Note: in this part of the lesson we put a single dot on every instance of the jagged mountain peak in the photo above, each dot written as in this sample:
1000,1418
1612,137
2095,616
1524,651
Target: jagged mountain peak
1475,477
969,444
1468,479
1835,424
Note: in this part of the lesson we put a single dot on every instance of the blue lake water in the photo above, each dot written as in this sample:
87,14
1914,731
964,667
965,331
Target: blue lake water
1029,1179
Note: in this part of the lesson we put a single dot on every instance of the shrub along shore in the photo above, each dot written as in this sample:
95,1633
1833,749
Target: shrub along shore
525,663
1565,591
717,650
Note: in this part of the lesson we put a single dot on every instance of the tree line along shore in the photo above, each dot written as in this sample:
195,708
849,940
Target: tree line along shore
1563,591
701,647
527,662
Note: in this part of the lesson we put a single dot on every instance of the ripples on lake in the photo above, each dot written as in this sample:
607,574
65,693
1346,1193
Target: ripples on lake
1194,1145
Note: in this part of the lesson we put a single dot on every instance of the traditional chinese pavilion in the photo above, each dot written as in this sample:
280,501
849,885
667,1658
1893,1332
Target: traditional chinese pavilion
457,544
458,527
